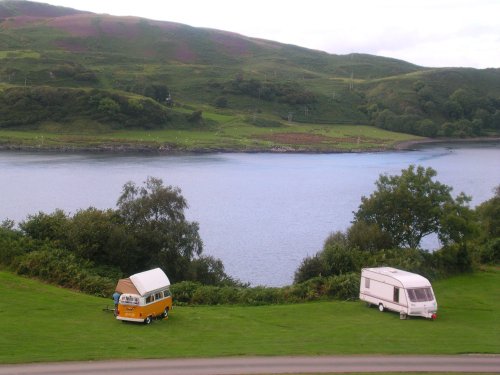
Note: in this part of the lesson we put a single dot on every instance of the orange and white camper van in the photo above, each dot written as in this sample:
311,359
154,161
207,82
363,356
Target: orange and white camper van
144,296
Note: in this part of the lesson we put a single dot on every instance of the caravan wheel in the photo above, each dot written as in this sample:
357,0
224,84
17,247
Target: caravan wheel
381,307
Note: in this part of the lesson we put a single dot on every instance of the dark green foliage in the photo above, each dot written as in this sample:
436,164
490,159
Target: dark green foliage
183,291
284,92
309,267
154,214
90,250
368,237
209,271
65,269
489,252
390,223
221,102
343,287
411,206
487,244
46,227
196,117
35,105
157,91
255,120
12,245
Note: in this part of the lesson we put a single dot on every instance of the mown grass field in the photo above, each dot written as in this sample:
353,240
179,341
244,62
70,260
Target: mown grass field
44,323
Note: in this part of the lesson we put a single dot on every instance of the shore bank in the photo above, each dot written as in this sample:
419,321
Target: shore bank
410,145
166,149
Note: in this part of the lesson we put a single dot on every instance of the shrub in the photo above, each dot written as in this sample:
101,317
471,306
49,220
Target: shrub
260,296
65,269
206,295
11,246
183,291
490,252
343,287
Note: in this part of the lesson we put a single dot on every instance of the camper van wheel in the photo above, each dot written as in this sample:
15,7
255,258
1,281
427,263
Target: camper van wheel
165,313
381,307
148,320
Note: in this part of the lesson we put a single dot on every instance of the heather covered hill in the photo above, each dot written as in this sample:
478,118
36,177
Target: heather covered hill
106,70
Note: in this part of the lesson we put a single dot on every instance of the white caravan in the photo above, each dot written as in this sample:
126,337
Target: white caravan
401,291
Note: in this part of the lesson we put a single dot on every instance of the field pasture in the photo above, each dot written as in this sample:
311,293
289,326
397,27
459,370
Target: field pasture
43,323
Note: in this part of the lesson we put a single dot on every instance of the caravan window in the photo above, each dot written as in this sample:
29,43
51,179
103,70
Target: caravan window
396,294
420,295
367,283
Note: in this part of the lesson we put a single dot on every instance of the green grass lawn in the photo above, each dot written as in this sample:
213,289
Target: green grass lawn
40,322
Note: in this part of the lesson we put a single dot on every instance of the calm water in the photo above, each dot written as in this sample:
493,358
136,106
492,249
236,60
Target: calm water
260,213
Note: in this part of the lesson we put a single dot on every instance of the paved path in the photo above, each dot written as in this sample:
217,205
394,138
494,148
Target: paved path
266,365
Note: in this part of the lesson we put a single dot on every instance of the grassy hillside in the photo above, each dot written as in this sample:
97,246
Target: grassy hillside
67,71
46,323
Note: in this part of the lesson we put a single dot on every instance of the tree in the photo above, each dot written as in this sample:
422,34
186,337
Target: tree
427,128
155,214
368,237
408,207
336,258
102,237
108,106
489,225
46,227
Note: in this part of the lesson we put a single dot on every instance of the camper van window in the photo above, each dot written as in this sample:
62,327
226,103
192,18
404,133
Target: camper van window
159,295
150,299
167,293
396,294
367,283
420,295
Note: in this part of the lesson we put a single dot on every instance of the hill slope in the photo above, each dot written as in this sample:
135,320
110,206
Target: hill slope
65,66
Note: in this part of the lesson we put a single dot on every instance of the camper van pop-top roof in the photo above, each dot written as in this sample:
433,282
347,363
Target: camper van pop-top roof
150,281
144,282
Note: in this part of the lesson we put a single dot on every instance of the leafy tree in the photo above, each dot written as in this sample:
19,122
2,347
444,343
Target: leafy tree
101,236
465,99
209,271
368,237
310,267
195,117
336,258
157,91
221,102
108,106
453,110
488,214
427,128
154,213
409,207
457,222
495,120
46,227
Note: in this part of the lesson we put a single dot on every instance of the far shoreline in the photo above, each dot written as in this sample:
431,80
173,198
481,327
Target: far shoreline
409,145
412,144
